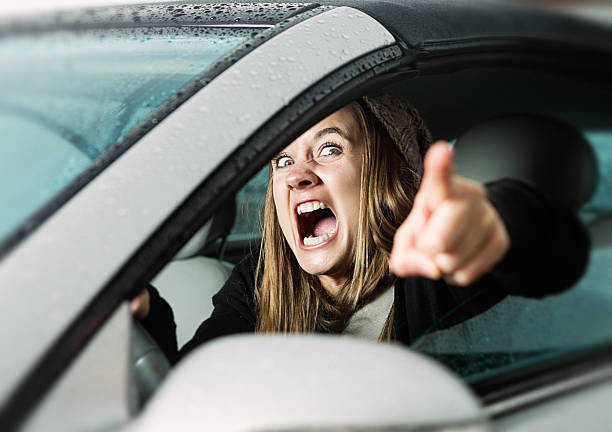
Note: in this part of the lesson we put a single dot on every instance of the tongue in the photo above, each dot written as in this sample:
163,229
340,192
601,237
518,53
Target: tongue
324,226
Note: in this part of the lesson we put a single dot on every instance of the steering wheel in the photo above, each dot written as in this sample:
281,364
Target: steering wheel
150,365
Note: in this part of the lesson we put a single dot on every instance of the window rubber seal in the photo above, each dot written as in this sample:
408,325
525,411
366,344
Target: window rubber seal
517,384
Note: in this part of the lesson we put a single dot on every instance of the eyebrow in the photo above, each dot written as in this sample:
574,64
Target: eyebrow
319,134
331,130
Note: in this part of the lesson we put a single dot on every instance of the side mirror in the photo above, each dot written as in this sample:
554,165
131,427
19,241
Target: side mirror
309,382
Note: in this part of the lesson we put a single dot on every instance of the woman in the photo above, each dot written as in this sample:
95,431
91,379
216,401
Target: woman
350,246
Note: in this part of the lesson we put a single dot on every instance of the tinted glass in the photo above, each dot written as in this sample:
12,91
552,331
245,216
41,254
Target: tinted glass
69,96
519,331
249,206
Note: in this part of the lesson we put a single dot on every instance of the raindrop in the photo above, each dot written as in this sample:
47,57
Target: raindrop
244,117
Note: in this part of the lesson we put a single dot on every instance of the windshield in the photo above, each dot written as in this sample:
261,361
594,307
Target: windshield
520,331
67,97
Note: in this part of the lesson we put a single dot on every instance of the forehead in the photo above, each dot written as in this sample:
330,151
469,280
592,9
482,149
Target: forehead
345,120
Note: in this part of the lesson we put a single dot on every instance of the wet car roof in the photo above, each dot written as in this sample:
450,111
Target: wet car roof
429,26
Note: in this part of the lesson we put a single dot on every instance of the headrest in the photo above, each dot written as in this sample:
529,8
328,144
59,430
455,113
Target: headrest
217,227
548,153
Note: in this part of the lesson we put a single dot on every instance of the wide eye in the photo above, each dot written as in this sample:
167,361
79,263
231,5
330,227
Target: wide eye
284,161
331,150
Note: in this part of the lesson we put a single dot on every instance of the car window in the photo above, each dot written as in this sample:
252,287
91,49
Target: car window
519,331
249,203
69,96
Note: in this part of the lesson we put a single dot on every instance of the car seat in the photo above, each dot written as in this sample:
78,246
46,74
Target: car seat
555,157
550,154
190,280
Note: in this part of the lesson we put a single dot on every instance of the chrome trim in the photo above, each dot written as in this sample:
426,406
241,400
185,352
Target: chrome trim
264,26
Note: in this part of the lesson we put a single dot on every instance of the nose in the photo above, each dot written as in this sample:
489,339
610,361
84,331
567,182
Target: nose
301,176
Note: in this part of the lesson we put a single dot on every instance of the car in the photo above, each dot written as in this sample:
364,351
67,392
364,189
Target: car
137,139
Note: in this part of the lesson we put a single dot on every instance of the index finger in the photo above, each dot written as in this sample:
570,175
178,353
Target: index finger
437,174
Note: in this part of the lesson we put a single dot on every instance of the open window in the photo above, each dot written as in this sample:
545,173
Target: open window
518,335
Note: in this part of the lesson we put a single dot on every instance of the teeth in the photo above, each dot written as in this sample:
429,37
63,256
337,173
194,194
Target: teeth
310,206
311,241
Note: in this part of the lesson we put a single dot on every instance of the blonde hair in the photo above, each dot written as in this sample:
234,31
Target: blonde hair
290,300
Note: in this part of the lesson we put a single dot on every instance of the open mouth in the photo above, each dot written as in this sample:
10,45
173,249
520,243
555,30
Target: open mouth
316,223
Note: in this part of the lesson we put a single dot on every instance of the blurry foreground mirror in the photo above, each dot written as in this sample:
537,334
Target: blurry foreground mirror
310,382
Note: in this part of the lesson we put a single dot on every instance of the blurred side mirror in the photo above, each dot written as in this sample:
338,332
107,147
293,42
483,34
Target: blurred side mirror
309,382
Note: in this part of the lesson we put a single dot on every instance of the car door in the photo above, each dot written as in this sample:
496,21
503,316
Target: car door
103,235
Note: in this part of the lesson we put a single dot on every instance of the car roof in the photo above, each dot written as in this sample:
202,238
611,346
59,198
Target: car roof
429,26
439,25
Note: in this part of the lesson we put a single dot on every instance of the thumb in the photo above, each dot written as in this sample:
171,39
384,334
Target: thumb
437,175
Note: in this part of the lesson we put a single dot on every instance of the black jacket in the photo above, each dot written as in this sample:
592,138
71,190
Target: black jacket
548,253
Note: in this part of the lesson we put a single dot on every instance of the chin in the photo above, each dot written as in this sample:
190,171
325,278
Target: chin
319,264
315,267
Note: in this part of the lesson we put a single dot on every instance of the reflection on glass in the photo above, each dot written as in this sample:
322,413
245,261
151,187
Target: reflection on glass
68,96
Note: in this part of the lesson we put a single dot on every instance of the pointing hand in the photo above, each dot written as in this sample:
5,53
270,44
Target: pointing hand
452,231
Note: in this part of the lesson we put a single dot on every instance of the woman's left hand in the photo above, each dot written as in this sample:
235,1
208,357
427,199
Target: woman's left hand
453,231
141,304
